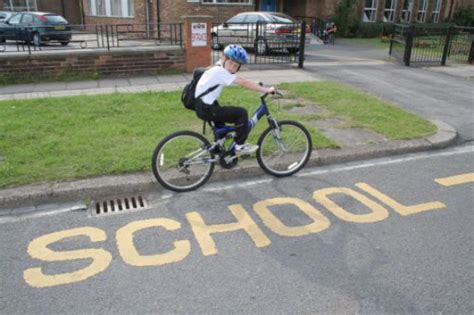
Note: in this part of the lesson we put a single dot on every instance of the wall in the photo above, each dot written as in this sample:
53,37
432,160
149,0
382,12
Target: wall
139,17
172,10
72,11
117,63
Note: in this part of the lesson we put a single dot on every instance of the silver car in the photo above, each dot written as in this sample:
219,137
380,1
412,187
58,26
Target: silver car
262,31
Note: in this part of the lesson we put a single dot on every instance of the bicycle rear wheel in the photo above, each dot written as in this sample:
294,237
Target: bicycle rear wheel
181,161
284,151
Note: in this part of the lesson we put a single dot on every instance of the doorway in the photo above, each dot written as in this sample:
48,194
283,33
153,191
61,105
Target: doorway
268,5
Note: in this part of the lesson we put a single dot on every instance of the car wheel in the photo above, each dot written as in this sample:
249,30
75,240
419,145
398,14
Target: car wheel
36,39
261,47
215,42
64,43
2,40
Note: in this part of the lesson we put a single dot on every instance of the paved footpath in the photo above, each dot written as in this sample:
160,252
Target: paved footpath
319,66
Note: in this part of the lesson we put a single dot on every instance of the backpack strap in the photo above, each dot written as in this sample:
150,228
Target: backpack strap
209,90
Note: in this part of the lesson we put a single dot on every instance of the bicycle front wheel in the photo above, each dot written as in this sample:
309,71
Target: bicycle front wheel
182,162
285,150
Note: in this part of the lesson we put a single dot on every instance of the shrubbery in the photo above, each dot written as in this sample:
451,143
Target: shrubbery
346,19
464,17
349,24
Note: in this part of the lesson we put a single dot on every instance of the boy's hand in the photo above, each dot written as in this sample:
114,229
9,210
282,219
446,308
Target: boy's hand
271,90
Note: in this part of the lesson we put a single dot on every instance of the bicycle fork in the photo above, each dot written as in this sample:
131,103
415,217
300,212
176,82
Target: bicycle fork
276,133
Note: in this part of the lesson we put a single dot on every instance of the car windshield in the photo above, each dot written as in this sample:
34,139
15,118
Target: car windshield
4,16
55,19
281,18
237,19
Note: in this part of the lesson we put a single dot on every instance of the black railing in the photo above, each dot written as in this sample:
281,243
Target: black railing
82,37
267,43
431,44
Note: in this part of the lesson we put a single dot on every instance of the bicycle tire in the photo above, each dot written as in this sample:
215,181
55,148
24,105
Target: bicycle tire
289,162
174,165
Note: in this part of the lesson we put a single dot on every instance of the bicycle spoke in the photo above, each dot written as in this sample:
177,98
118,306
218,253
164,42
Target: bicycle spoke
285,151
181,162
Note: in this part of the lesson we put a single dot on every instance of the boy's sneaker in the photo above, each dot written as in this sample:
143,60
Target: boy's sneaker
246,148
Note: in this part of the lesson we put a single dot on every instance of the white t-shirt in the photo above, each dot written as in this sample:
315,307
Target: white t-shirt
215,75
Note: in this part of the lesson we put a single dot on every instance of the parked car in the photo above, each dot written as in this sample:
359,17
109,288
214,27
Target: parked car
36,27
4,15
276,31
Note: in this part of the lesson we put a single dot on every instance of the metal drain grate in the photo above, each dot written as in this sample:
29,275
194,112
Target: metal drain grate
118,205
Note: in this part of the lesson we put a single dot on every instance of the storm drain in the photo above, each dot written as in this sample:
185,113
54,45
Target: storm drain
118,205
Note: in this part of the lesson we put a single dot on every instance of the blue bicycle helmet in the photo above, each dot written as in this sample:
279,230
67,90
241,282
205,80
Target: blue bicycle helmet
236,53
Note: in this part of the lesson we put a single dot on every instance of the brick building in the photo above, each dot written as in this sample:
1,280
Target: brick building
170,11
70,9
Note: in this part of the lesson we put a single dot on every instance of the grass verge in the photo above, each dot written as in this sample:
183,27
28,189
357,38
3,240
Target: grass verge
363,110
54,139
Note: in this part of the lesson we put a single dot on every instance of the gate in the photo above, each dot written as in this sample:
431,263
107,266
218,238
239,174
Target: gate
432,44
266,43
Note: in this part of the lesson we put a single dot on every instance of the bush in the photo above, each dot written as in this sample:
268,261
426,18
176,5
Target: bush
370,30
349,24
346,18
464,17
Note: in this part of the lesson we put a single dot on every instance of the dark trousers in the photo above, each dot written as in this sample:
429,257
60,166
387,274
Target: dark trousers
225,114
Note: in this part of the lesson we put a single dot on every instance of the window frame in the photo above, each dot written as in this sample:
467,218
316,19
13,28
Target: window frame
391,11
127,8
372,18
435,13
408,11
421,14
215,2
8,4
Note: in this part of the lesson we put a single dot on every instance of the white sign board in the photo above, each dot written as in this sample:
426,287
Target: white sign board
198,34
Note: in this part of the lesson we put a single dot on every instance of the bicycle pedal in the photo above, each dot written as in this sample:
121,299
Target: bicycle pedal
229,159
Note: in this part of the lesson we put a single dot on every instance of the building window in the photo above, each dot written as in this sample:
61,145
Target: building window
20,5
111,8
422,6
249,2
389,11
436,10
406,11
370,11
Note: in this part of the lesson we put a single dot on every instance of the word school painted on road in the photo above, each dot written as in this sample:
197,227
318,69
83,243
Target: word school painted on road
101,258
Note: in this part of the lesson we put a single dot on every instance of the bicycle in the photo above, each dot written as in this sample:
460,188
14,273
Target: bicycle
185,160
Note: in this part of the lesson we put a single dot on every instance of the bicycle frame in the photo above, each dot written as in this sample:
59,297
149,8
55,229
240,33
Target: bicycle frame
220,135
262,110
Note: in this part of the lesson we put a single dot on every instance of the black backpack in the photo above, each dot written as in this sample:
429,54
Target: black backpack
187,96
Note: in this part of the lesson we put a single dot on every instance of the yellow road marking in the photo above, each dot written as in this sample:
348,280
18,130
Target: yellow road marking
456,180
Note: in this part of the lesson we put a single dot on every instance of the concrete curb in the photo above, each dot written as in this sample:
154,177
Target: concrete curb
15,200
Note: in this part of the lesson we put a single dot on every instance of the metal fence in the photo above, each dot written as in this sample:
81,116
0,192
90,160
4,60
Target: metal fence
432,44
267,43
80,37
316,25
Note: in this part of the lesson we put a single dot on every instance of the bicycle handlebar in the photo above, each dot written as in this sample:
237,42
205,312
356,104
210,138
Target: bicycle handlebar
266,94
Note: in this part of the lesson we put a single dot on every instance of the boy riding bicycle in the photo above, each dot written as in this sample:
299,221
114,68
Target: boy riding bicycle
224,74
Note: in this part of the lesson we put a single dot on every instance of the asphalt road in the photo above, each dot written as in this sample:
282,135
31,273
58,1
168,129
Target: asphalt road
392,235
430,94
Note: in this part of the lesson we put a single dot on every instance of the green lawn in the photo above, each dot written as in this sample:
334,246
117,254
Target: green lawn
375,42
66,138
